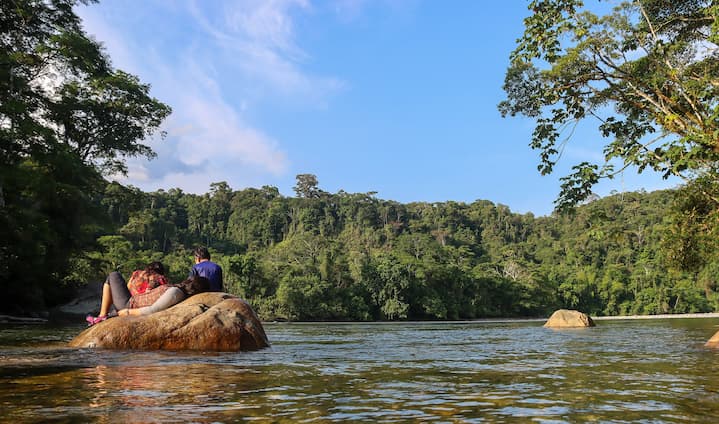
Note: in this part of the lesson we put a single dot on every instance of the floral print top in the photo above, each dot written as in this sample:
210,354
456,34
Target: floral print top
142,281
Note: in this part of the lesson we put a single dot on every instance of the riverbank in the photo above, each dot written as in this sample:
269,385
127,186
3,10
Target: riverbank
660,316
10,319
503,320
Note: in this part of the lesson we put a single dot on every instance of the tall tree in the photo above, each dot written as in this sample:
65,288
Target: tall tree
307,186
65,115
647,73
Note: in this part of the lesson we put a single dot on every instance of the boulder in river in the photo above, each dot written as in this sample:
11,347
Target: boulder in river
567,318
714,341
206,321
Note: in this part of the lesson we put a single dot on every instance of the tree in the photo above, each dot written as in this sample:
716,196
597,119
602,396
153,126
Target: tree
647,72
58,88
66,116
307,186
116,251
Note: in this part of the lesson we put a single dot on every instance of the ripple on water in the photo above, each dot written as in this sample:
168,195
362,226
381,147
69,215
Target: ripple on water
448,372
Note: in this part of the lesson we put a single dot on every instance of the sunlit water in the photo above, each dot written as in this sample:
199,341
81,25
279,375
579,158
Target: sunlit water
620,371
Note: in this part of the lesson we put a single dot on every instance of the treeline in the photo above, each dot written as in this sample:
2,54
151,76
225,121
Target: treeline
352,256
68,117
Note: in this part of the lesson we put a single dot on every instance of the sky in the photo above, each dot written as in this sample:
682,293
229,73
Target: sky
387,96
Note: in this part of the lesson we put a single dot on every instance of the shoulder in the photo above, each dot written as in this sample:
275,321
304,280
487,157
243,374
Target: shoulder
207,265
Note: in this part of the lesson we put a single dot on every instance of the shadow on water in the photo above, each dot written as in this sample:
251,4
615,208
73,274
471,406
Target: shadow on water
620,371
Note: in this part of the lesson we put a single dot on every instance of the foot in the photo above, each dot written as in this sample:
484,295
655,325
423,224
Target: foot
94,320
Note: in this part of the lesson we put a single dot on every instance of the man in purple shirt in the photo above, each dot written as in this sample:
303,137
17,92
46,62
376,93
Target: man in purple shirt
204,267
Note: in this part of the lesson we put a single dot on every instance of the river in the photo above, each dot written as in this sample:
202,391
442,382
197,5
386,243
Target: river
652,371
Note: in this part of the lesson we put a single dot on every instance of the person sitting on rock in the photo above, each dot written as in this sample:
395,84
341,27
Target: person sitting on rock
174,294
204,267
116,293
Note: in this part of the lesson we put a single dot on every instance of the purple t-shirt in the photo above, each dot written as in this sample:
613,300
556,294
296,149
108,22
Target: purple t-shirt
211,271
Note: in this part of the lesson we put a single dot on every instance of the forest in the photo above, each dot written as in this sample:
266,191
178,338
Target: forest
353,256
647,73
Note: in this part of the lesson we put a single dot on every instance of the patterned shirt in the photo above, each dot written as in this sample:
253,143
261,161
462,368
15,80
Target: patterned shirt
142,281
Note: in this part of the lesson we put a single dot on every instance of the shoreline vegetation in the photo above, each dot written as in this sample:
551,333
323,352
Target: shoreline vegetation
509,319
356,258
659,316
320,256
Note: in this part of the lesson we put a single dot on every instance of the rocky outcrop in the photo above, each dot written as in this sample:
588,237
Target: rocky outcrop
87,298
207,321
566,318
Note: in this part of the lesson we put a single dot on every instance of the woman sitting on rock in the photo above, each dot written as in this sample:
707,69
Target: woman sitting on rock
174,294
143,289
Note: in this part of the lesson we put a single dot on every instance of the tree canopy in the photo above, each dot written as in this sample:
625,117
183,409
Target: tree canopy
59,91
66,114
647,73
353,256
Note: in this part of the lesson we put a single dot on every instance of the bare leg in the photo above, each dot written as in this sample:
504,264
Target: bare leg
106,299
114,293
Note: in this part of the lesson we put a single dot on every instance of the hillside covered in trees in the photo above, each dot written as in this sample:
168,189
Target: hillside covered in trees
352,256
68,118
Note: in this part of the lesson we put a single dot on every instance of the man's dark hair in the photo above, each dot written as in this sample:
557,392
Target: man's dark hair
155,268
202,253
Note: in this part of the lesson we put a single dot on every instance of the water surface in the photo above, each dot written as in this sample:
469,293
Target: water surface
652,371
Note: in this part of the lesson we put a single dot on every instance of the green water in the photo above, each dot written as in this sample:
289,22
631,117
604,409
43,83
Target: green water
650,371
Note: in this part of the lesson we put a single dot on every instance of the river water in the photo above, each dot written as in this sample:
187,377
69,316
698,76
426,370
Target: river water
651,371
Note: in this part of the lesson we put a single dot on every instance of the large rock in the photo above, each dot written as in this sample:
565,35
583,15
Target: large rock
714,341
566,318
206,321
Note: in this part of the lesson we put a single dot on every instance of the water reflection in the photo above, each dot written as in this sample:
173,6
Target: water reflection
623,371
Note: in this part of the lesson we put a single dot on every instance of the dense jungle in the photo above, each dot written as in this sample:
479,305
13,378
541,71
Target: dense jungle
353,256
645,72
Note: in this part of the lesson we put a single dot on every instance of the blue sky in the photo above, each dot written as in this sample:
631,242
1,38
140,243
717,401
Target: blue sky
397,97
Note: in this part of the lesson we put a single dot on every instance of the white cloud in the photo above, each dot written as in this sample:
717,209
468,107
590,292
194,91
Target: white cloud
209,72
258,38
218,133
265,23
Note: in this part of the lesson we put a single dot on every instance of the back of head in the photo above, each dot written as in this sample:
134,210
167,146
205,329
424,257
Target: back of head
202,253
194,285
155,268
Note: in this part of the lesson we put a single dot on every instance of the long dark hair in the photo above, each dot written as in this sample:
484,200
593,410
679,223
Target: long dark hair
155,268
194,285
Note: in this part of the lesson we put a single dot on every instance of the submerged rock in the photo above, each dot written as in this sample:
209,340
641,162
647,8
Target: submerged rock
566,318
206,321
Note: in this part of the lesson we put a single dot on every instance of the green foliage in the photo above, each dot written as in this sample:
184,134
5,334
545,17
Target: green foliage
351,256
65,116
646,73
